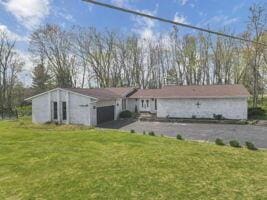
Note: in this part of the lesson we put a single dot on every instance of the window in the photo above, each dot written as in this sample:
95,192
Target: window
64,110
55,110
156,106
123,104
147,103
142,103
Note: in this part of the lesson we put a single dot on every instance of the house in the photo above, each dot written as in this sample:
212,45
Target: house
96,106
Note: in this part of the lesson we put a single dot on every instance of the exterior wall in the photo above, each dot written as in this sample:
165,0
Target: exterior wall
118,108
79,109
41,109
131,103
232,108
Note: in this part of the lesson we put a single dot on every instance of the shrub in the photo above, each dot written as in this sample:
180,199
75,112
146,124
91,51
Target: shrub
179,137
125,114
132,131
219,141
251,146
234,143
24,110
151,133
256,112
218,117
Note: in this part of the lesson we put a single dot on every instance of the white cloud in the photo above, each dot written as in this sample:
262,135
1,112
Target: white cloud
221,20
30,13
239,6
119,2
11,35
145,26
182,2
180,18
122,3
26,75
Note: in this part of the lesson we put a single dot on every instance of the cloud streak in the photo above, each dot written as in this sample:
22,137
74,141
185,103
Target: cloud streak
29,13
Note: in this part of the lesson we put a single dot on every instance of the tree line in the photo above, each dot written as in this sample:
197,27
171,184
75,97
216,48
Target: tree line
85,57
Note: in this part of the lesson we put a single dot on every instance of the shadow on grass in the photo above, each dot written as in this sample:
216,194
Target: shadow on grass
117,124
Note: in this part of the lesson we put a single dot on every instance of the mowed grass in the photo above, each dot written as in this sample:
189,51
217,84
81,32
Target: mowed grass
68,162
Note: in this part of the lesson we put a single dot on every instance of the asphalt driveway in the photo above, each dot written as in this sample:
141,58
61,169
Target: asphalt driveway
196,131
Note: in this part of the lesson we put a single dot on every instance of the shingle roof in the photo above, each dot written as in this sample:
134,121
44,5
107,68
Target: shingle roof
103,93
207,91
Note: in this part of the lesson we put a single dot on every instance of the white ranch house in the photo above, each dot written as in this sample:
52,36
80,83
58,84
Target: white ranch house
95,106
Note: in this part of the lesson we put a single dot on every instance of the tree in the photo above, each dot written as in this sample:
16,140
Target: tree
53,45
10,65
41,79
257,26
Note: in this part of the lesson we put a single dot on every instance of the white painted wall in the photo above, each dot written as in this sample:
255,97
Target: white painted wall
131,103
232,108
41,109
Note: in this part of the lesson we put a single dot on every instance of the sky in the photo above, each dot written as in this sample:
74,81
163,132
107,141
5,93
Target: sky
19,18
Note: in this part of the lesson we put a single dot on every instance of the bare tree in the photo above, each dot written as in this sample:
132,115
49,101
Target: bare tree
257,26
54,46
10,66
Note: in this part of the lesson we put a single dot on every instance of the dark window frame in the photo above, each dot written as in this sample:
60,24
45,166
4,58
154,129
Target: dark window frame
64,110
156,104
55,109
142,103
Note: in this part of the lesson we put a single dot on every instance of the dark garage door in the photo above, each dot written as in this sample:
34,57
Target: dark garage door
105,114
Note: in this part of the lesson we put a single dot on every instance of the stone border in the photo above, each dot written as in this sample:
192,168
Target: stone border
203,121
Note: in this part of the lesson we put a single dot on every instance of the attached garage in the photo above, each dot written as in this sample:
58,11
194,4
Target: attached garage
105,114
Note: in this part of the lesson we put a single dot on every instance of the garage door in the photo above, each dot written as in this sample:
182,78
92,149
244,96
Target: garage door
105,114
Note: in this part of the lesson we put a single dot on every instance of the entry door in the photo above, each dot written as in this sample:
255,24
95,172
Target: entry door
145,105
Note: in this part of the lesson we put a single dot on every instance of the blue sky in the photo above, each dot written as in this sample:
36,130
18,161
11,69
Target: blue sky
20,17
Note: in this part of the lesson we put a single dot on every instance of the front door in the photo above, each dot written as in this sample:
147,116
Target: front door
144,105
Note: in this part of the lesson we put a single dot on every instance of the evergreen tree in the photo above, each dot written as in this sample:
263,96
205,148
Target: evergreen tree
41,79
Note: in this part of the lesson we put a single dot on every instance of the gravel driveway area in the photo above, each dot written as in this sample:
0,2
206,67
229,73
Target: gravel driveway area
196,131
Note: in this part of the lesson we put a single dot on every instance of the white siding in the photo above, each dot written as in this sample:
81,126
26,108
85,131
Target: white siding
131,103
79,109
232,108
41,109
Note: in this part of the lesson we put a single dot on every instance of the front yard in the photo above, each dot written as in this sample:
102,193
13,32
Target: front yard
68,162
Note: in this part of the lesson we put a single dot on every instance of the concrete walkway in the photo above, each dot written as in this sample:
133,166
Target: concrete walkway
195,131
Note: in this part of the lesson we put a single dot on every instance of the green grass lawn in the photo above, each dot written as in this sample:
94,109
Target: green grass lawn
68,162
